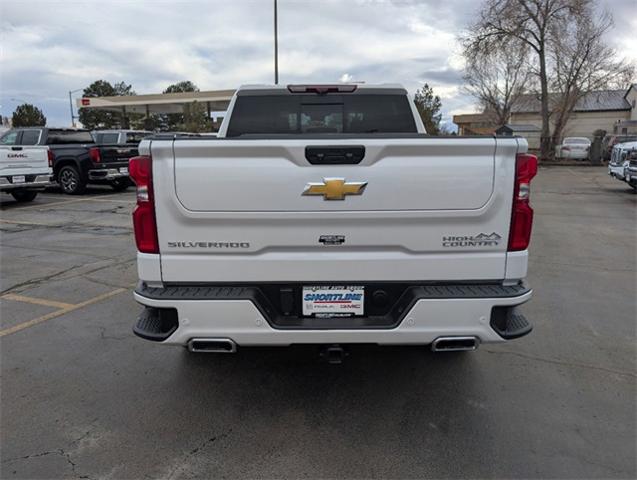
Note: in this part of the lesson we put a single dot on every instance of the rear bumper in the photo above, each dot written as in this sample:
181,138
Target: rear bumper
38,182
106,174
483,311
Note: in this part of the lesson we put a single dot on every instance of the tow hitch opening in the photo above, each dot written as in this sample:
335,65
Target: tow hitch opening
333,354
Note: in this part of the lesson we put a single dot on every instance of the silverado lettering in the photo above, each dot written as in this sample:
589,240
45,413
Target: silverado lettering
208,244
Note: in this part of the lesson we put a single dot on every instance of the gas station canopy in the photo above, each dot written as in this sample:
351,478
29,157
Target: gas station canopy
213,100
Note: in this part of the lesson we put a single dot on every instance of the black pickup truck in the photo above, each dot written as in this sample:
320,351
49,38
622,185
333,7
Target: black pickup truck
78,160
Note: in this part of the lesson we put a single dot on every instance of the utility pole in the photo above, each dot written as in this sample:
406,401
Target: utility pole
71,106
276,45
71,92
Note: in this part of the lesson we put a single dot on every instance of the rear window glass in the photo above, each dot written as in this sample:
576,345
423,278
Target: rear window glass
30,137
105,138
69,136
136,137
292,114
9,138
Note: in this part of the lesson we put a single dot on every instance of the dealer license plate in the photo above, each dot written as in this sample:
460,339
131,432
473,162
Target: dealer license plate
333,300
123,170
19,179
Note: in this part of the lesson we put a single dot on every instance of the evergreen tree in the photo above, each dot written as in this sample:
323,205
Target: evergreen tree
429,106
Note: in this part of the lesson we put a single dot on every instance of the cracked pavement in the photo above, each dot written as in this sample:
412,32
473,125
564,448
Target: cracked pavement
81,397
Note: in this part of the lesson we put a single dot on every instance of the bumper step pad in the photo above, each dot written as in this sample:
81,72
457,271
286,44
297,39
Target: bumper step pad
509,323
156,324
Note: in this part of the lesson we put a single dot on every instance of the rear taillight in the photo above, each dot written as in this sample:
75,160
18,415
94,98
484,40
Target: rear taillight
140,170
522,213
51,157
94,154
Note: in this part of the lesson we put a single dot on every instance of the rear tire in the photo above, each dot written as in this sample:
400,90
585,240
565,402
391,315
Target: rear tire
120,184
71,181
24,196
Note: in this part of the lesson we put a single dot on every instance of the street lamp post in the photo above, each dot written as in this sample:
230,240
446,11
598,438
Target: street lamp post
276,45
71,92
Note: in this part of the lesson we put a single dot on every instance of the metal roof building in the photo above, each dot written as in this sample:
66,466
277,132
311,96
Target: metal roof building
609,110
214,100
598,101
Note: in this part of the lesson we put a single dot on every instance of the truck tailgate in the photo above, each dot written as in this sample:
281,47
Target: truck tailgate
117,154
234,211
27,160
405,174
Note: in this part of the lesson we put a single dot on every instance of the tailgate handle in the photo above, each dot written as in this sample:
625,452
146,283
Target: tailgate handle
335,155
16,148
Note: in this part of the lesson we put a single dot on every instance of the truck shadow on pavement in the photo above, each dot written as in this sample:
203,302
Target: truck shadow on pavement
380,402
406,383
371,378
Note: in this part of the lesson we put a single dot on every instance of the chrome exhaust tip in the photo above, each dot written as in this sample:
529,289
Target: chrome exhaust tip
455,344
212,345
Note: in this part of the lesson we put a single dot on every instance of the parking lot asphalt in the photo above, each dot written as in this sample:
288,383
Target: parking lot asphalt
82,397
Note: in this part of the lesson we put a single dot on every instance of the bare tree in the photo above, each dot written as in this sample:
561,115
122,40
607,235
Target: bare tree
536,24
497,77
582,64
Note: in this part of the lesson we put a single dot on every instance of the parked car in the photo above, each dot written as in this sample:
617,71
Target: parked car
24,171
631,169
325,215
77,160
619,160
576,148
612,139
119,137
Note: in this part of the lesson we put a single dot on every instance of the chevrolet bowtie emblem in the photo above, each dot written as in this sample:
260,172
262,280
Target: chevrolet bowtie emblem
334,188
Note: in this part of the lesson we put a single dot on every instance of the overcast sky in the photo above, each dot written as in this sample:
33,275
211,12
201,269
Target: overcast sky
51,47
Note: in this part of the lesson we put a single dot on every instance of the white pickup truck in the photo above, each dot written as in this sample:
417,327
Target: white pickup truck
325,215
24,170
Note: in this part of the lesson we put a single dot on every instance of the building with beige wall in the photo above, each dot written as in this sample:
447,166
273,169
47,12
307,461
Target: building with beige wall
631,98
629,127
474,124
612,110
602,110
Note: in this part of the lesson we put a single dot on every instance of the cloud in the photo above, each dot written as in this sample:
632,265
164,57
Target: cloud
445,76
62,46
